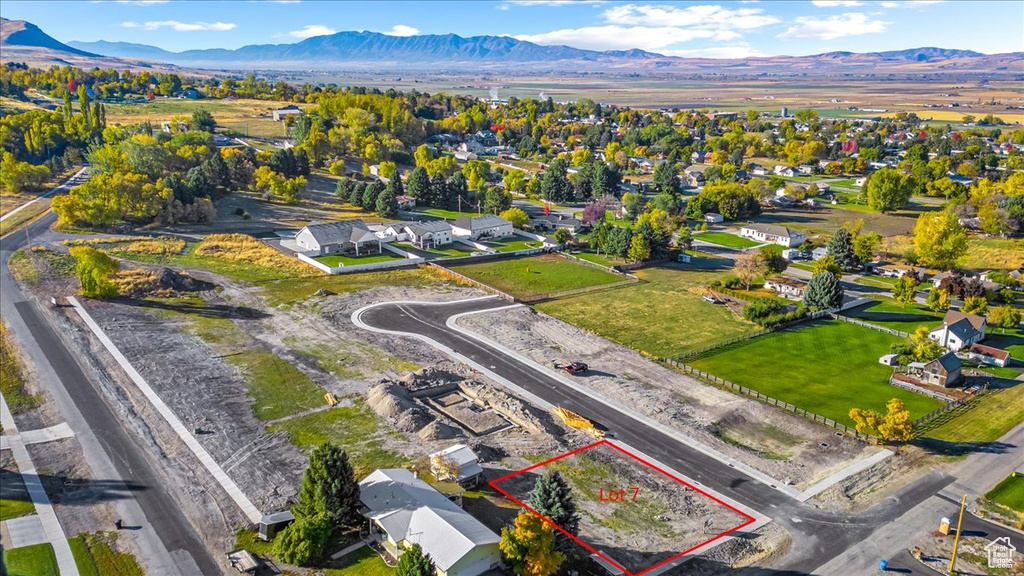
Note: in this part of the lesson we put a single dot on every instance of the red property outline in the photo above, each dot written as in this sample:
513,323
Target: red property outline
494,484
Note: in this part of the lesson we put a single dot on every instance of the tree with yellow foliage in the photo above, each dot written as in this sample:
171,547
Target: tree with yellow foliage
529,548
894,425
94,269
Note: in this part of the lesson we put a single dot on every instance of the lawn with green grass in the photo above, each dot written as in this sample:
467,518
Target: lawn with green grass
446,214
511,244
1009,492
528,277
294,290
659,316
826,367
336,260
15,500
993,415
362,562
453,250
726,239
353,427
876,281
887,312
35,560
602,259
1009,339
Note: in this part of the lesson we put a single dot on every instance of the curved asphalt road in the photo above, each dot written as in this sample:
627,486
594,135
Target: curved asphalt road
818,536
189,554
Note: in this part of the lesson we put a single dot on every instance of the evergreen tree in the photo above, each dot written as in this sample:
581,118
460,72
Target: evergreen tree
343,190
387,202
355,196
841,248
555,186
303,540
823,292
370,194
329,487
414,563
418,184
552,497
666,181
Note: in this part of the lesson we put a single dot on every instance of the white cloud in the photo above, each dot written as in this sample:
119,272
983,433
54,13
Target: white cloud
182,26
624,38
311,31
401,30
835,3
849,24
890,4
707,17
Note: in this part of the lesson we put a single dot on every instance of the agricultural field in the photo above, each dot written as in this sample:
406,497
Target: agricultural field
249,117
887,312
826,367
726,239
537,275
982,253
659,316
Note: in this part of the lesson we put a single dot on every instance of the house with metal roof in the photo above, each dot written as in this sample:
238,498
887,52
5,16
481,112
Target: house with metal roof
943,371
482,227
959,330
429,234
456,463
989,355
780,235
350,236
403,510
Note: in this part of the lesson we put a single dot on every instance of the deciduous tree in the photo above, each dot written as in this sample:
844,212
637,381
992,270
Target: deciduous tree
888,190
529,547
939,239
974,305
938,300
94,269
517,217
905,289
749,266
414,563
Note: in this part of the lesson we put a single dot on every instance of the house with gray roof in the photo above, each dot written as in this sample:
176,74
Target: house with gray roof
482,227
944,371
403,510
429,234
457,463
350,236
780,235
959,330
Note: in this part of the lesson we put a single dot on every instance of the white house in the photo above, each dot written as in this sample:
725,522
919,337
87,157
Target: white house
786,286
482,227
457,463
281,113
989,355
713,218
338,237
959,330
465,156
429,234
403,510
390,232
780,235
785,171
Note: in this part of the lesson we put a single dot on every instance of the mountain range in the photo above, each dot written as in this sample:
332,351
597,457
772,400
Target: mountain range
450,52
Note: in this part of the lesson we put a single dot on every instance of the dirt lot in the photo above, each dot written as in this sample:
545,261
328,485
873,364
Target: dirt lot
781,445
653,518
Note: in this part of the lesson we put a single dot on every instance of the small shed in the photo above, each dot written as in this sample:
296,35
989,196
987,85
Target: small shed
890,360
271,524
244,561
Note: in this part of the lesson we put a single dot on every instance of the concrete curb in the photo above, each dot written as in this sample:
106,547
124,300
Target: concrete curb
55,534
232,489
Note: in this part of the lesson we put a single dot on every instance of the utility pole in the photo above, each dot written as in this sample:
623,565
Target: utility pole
956,542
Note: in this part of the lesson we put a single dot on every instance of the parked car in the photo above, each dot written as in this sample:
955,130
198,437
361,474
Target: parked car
712,299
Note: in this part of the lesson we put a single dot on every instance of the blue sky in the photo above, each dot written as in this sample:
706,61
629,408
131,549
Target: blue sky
710,29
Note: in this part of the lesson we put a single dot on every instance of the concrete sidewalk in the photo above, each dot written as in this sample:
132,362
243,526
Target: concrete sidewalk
55,432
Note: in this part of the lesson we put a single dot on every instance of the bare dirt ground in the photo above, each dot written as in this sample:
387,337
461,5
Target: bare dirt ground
869,487
782,445
654,518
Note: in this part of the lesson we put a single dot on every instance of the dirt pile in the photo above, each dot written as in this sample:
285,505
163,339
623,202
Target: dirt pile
392,402
139,282
438,430
426,378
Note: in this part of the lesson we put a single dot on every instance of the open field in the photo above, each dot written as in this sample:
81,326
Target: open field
293,290
826,367
1009,492
982,253
35,560
526,277
455,249
826,220
240,115
511,244
335,260
886,312
725,239
660,316
993,415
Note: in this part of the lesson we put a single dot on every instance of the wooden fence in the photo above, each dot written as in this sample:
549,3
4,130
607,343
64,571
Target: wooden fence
870,325
727,385
544,296
448,273
701,351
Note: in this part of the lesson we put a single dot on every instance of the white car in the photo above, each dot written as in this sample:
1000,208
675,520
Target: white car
712,299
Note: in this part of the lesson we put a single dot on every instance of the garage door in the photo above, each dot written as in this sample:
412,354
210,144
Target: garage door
478,567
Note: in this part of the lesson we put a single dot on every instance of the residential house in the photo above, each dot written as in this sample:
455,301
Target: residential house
989,355
698,157
403,510
390,232
556,222
714,218
786,171
959,330
350,236
465,156
786,286
805,170
780,235
406,202
282,113
899,271
943,371
938,278
429,234
819,252
694,175
759,171
482,227
457,463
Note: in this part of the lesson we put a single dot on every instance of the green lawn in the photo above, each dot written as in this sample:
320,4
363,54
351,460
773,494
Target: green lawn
454,250
35,560
826,367
336,260
511,244
876,281
1009,492
726,239
362,562
526,277
993,415
294,290
355,428
659,316
602,259
1011,340
446,214
886,312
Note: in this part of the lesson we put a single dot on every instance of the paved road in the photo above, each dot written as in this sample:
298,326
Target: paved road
173,529
818,536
